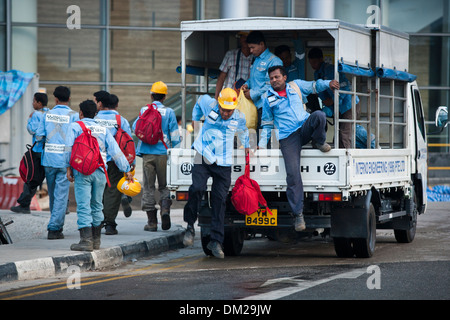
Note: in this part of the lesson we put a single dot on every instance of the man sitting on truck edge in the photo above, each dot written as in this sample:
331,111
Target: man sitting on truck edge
214,157
283,109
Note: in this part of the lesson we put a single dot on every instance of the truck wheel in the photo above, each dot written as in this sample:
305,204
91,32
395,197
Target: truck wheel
365,247
407,236
233,242
343,247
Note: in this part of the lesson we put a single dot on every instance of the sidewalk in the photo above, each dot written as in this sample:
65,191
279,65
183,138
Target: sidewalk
32,256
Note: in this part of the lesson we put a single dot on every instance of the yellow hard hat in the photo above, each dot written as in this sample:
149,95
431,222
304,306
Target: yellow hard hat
228,99
129,188
159,87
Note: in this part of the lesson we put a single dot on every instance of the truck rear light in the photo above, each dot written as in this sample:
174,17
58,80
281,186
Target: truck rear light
182,196
330,197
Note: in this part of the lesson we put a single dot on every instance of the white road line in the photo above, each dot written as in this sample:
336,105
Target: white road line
301,285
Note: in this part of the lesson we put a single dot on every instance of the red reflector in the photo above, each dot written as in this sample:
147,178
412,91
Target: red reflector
330,197
182,196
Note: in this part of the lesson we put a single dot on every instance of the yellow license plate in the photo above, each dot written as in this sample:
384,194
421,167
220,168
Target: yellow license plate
262,218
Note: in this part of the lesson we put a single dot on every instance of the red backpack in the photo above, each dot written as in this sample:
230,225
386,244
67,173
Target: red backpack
246,195
125,142
85,156
148,126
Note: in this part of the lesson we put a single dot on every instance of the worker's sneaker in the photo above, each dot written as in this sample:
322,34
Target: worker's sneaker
189,235
322,147
216,249
55,234
299,222
20,209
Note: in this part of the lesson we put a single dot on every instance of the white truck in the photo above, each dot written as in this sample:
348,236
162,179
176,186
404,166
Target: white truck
349,193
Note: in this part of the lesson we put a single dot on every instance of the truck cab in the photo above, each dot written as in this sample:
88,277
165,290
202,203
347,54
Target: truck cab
378,183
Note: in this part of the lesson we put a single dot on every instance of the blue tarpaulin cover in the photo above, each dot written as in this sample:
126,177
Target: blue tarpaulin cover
13,84
438,193
357,71
395,74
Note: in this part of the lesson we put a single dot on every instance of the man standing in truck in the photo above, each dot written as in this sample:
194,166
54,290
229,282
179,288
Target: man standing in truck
283,109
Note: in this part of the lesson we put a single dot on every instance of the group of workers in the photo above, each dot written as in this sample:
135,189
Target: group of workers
249,68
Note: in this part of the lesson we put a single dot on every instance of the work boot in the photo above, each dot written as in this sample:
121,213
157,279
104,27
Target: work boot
152,223
299,222
86,242
165,213
189,235
55,234
216,249
96,234
110,229
126,206
325,147
20,209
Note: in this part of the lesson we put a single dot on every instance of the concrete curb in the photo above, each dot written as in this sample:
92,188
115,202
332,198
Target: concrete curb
52,266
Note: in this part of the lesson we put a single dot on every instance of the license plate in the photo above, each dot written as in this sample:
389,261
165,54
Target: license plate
262,218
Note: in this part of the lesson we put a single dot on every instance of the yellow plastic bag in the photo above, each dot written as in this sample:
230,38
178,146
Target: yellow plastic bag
248,108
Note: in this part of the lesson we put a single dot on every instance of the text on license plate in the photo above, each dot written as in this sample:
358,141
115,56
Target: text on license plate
262,218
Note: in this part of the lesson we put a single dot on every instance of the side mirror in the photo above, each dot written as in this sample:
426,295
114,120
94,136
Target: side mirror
441,117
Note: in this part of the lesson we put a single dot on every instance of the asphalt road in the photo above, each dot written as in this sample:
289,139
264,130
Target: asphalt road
305,269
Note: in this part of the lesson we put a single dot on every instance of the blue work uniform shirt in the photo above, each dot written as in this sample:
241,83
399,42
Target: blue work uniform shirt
107,119
326,72
170,130
107,143
215,141
53,129
259,81
297,68
33,124
287,114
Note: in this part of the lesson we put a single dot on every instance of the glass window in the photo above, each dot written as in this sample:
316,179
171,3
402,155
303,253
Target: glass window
151,13
144,56
73,56
271,8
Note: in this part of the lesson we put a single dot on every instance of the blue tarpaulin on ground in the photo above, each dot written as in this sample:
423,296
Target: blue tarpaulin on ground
13,84
438,193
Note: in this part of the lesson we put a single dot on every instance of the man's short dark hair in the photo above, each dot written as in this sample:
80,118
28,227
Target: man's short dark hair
280,49
103,97
41,97
315,53
256,37
281,68
62,93
158,96
88,108
114,101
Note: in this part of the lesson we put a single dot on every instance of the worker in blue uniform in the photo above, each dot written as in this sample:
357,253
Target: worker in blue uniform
283,109
214,156
259,83
325,71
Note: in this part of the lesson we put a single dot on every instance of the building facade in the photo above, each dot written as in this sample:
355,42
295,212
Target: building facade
123,46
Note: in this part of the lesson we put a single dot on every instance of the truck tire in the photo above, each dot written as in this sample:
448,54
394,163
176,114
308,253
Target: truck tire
407,236
365,247
233,242
343,247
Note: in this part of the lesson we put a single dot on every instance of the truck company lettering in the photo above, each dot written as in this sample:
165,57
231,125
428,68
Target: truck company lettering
379,167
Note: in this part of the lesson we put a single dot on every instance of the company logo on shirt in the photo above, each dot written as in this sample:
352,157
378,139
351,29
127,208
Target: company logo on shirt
106,123
57,118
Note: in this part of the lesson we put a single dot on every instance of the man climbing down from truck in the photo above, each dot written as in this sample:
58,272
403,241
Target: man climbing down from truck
283,109
214,157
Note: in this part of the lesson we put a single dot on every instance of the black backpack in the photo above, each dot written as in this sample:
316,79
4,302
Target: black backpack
31,170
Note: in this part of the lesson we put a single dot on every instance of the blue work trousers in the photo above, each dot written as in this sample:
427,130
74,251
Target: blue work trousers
219,191
58,192
89,196
291,147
